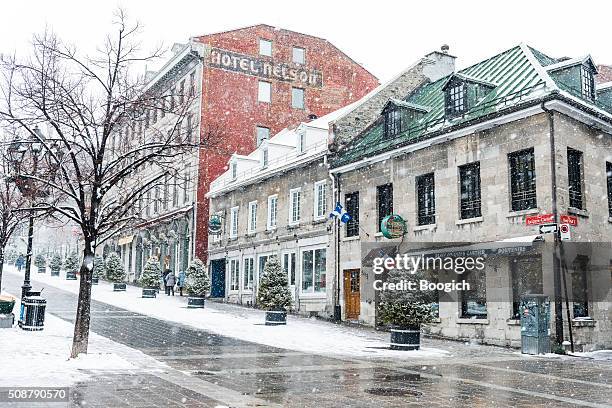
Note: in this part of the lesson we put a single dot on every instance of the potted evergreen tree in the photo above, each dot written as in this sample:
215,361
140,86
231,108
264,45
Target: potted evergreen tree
150,278
99,269
406,310
274,295
41,263
197,284
115,272
55,265
71,266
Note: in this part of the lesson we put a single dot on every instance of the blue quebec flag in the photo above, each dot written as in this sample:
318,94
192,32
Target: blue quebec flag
340,212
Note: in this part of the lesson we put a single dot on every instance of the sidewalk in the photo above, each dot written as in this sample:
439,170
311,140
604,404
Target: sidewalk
300,334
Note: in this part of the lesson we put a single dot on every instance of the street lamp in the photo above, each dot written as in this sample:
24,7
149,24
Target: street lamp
23,154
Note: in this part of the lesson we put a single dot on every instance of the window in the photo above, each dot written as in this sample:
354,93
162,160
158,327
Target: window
265,47
190,128
186,185
297,98
574,175
263,133
393,122
264,92
301,142
264,157
172,98
233,222
234,274
294,205
157,200
522,180
469,179
272,211
320,199
474,300
526,279
217,237
289,267
166,197
384,200
148,209
426,199
299,55
609,177
192,84
249,272
313,271
263,259
580,294
456,101
351,204
175,191
181,96
234,168
252,223
587,82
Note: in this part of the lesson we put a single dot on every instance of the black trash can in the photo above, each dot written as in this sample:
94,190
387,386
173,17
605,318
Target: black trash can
32,314
276,317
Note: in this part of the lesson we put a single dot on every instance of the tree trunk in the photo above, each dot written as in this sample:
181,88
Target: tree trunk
1,266
80,340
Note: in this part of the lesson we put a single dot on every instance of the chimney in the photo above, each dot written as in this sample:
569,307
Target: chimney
438,64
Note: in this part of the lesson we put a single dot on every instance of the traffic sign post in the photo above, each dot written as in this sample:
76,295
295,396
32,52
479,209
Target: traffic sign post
564,232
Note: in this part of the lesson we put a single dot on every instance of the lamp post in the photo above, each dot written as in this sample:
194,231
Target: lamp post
23,154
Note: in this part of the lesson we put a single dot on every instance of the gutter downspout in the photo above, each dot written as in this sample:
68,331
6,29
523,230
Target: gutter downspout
335,178
559,252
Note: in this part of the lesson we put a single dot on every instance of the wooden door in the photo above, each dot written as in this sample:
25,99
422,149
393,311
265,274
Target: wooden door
351,294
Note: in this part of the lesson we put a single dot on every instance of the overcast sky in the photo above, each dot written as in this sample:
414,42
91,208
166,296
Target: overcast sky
384,36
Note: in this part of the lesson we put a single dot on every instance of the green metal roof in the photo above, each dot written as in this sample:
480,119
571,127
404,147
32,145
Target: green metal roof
518,73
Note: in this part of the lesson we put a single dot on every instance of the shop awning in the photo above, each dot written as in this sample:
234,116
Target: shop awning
125,240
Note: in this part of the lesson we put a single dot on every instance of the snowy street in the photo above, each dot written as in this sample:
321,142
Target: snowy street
156,352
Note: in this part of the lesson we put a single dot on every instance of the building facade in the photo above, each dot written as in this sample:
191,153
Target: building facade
276,201
467,156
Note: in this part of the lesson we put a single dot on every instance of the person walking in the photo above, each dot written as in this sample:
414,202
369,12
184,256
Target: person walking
181,282
170,282
20,262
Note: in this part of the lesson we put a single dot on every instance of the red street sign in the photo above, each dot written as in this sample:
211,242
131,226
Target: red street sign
540,219
569,219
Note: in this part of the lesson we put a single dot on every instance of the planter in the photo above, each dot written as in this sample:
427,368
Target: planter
94,281
119,287
6,304
406,339
149,293
196,302
42,269
71,275
276,317
55,273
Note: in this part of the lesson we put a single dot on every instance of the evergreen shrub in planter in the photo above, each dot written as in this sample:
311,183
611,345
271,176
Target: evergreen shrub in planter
406,310
99,269
274,295
55,265
41,263
197,284
115,272
150,278
71,266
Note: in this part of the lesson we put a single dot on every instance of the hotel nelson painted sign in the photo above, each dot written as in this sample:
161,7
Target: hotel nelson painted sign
265,68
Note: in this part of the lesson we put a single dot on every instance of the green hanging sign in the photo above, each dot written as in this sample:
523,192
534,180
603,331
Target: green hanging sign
214,225
393,226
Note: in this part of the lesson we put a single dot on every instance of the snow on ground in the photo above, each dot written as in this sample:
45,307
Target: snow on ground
601,355
40,358
300,334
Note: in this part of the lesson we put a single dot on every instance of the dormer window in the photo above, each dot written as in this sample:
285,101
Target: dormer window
264,157
587,82
301,141
393,122
234,167
456,99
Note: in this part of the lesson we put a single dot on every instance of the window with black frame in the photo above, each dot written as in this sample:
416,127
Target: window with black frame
469,179
522,180
384,200
426,199
609,179
456,99
587,82
526,273
580,293
474,299
351,204
574,173
393,122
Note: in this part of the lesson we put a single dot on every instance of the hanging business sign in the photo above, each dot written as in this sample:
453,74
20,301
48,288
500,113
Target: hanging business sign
265,68
215,225
393,226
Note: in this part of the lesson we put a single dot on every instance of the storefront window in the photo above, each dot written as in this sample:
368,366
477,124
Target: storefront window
313,271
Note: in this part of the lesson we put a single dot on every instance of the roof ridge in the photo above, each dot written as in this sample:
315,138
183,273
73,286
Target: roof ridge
540,70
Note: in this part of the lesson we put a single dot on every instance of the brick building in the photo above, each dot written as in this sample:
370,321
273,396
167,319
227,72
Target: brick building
255,82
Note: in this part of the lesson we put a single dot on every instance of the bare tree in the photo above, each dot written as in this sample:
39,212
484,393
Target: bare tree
100,134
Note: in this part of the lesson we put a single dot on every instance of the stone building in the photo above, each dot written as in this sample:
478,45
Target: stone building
275,201
465,157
